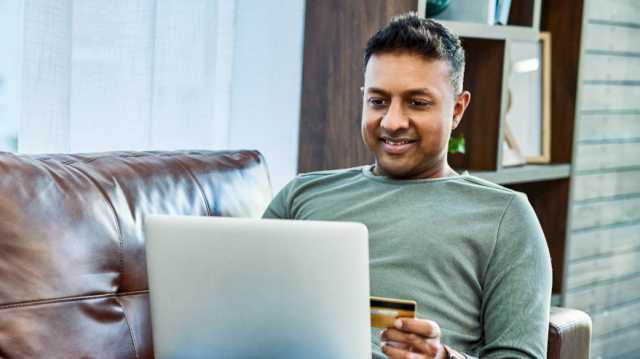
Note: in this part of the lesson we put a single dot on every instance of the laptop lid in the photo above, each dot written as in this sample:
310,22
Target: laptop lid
248,288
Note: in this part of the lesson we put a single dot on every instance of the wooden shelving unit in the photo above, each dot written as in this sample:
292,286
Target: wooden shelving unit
483,31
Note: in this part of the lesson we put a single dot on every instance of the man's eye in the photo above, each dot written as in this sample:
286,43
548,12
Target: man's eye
377,101
419,103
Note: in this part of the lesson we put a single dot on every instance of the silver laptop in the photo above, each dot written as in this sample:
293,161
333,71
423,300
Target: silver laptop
249,288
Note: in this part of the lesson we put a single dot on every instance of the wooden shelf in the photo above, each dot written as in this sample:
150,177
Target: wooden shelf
529,173
496,32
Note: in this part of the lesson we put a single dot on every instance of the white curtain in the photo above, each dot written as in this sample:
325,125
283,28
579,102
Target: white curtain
126,74
10,72
100,75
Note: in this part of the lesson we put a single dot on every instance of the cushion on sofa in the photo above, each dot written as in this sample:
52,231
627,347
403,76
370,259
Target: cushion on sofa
73,279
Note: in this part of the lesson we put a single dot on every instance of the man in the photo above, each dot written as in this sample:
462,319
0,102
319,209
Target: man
471,253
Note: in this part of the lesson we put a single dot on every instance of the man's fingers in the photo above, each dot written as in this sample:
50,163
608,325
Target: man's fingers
395,353
419,343
433,347
398,345
426,328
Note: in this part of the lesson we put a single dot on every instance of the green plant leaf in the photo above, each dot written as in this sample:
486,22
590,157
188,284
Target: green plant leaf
456,144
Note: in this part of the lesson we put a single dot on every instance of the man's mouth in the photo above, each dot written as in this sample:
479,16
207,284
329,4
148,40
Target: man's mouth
397,146
396,141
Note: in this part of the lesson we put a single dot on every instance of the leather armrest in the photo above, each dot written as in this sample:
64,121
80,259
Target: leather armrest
569,334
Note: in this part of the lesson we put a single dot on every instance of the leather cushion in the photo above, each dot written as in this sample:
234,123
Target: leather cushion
73,279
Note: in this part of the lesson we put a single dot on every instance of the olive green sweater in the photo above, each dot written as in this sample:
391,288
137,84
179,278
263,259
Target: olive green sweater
471,253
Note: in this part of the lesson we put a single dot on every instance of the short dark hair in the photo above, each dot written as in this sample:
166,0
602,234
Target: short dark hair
425,37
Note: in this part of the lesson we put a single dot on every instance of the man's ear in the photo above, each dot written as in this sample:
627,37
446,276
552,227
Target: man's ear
462,101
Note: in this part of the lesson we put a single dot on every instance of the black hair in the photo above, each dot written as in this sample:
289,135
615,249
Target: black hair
425,37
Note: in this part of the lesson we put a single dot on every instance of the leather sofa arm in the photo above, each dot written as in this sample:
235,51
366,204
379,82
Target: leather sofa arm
569,334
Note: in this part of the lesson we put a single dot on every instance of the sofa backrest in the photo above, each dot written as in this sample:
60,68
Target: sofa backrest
73,280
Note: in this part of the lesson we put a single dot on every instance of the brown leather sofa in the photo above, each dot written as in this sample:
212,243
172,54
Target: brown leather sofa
73,282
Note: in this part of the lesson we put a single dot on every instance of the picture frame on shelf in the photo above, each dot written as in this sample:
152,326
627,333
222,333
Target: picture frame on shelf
527,122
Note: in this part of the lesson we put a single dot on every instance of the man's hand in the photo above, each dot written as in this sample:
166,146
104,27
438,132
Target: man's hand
413,339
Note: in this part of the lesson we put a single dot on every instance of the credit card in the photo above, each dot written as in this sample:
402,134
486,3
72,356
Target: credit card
384,311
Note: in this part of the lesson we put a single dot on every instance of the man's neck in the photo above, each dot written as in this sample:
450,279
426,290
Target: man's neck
441,171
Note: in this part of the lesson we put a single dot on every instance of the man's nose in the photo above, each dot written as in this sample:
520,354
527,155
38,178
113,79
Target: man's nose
395,119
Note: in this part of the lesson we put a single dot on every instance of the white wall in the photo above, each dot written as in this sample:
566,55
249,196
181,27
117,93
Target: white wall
46,77
267,80
10,71
163,74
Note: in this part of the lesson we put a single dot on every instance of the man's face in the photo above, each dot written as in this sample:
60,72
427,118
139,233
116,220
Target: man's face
408,112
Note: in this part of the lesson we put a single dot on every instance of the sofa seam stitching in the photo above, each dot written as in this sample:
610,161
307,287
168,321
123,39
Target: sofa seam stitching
30,303
126,320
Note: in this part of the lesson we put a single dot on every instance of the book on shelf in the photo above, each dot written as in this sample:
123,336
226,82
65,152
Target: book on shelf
502,12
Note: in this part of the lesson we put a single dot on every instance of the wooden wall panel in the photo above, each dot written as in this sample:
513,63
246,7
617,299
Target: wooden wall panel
603,274
623,344
619,10
603,268
605,213
336,32
609,127
605,240
603,296
607,155
612,37
612,68
612,97
603,185
615,319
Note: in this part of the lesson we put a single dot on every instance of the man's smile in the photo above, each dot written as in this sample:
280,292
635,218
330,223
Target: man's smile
397,145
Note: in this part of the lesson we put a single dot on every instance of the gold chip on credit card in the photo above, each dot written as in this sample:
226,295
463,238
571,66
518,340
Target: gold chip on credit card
384,311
